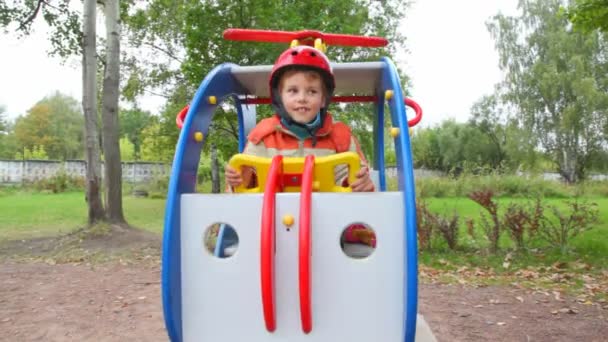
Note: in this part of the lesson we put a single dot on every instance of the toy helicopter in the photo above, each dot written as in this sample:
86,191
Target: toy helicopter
287,281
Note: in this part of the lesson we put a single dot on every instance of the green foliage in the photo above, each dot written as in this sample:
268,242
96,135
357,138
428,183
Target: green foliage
8,144
54,123
59,182
166,29
132,124
505,186
589,15
556,81
463,147
36,153
63,20
127,150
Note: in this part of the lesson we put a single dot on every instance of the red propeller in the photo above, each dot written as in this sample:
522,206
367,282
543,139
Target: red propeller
306,37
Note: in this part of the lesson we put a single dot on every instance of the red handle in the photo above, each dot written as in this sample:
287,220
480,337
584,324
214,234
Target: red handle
305,245
267,243
411,103
181,116
287,36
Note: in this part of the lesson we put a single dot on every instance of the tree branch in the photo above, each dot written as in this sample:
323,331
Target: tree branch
156,94
32,16
168,53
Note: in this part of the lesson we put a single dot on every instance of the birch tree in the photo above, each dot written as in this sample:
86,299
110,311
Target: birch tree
89,106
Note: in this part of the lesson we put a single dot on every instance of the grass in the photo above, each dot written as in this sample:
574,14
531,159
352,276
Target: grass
31,215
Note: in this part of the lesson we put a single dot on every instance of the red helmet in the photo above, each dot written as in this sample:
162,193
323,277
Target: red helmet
306,57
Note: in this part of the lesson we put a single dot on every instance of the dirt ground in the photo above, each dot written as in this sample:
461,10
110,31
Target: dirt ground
104,285
121,302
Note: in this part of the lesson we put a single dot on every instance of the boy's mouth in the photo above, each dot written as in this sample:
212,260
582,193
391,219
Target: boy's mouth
302,109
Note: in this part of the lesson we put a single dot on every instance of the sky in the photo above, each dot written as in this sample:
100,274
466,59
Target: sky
451,61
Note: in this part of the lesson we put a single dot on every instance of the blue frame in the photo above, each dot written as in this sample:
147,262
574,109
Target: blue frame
221,84
405,167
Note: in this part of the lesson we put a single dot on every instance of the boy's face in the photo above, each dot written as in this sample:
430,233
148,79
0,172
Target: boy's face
302,95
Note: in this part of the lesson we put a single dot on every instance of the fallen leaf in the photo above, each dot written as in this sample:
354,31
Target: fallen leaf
465,314
501,323
560,265
554,312
142,298
506,264
7,319
478,306
568,311
557,296
520,298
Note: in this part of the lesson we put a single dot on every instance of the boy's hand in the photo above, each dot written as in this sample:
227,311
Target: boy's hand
363,182
233,177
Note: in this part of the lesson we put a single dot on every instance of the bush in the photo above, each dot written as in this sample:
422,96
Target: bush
505,186
59,182
430,225
566,225
492,227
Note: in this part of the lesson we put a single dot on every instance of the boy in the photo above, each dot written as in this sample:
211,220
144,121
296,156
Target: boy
301,88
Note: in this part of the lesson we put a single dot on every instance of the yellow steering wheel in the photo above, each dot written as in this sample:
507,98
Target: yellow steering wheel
323,178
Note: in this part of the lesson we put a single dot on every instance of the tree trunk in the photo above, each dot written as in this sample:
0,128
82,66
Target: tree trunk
215,171
89,106
568,166
111,146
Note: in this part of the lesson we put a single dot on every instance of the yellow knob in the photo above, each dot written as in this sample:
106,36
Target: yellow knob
388,94
294,43
212,100
198,136
316,185
319,45
394,132
288,220
411,131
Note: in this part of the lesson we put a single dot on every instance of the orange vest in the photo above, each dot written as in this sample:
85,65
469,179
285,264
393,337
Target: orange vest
332,135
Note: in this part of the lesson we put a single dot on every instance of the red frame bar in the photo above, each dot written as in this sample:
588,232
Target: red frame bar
181,116
304,244
408,102
267,243
265,100
308,37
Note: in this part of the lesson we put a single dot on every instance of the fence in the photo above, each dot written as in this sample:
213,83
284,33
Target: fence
23,171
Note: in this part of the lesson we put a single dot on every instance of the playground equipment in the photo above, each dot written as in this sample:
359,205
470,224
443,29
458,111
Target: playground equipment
288,279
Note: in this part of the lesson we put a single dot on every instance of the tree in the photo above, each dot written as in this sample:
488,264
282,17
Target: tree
8,145
183,48
89,106
67,39
132,125
54,123
556,81
486,116
109,114
589,15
